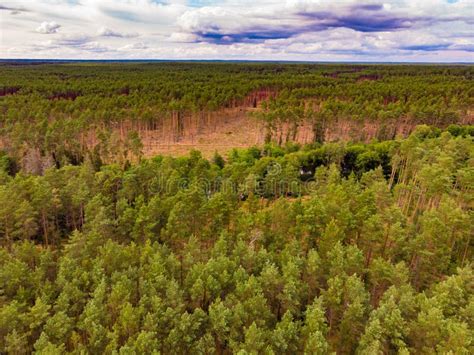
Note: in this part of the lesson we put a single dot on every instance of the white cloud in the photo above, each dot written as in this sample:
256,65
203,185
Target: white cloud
134,46
182,37
94,47
241,29
48,27
107,32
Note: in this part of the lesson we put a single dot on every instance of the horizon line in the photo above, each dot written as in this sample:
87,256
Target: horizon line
232,61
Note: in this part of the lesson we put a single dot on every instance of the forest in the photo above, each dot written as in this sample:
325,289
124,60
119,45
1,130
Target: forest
329,247
66,113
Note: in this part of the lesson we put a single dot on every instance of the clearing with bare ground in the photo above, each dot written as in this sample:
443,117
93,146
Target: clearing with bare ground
237,128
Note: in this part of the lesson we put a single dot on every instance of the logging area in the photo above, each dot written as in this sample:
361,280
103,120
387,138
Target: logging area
67,112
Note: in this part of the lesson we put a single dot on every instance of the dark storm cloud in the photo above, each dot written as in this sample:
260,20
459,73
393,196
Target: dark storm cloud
361,18
372,24
253,35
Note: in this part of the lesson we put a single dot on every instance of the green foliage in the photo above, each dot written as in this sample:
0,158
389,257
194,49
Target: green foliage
65,113
335,248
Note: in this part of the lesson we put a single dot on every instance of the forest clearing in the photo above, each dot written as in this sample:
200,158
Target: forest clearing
172,108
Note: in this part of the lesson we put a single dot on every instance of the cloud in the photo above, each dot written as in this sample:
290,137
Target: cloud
13,10
107,32
227,26
426,47
73,40
82,42
79,42
221,25
134,46
368,7
182,37
424,30
94,47
467,47
141,11
48,27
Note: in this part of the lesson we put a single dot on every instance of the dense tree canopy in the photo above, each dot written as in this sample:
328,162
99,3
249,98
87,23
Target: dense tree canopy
341,247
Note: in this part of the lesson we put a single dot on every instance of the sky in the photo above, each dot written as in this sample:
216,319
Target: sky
301,30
